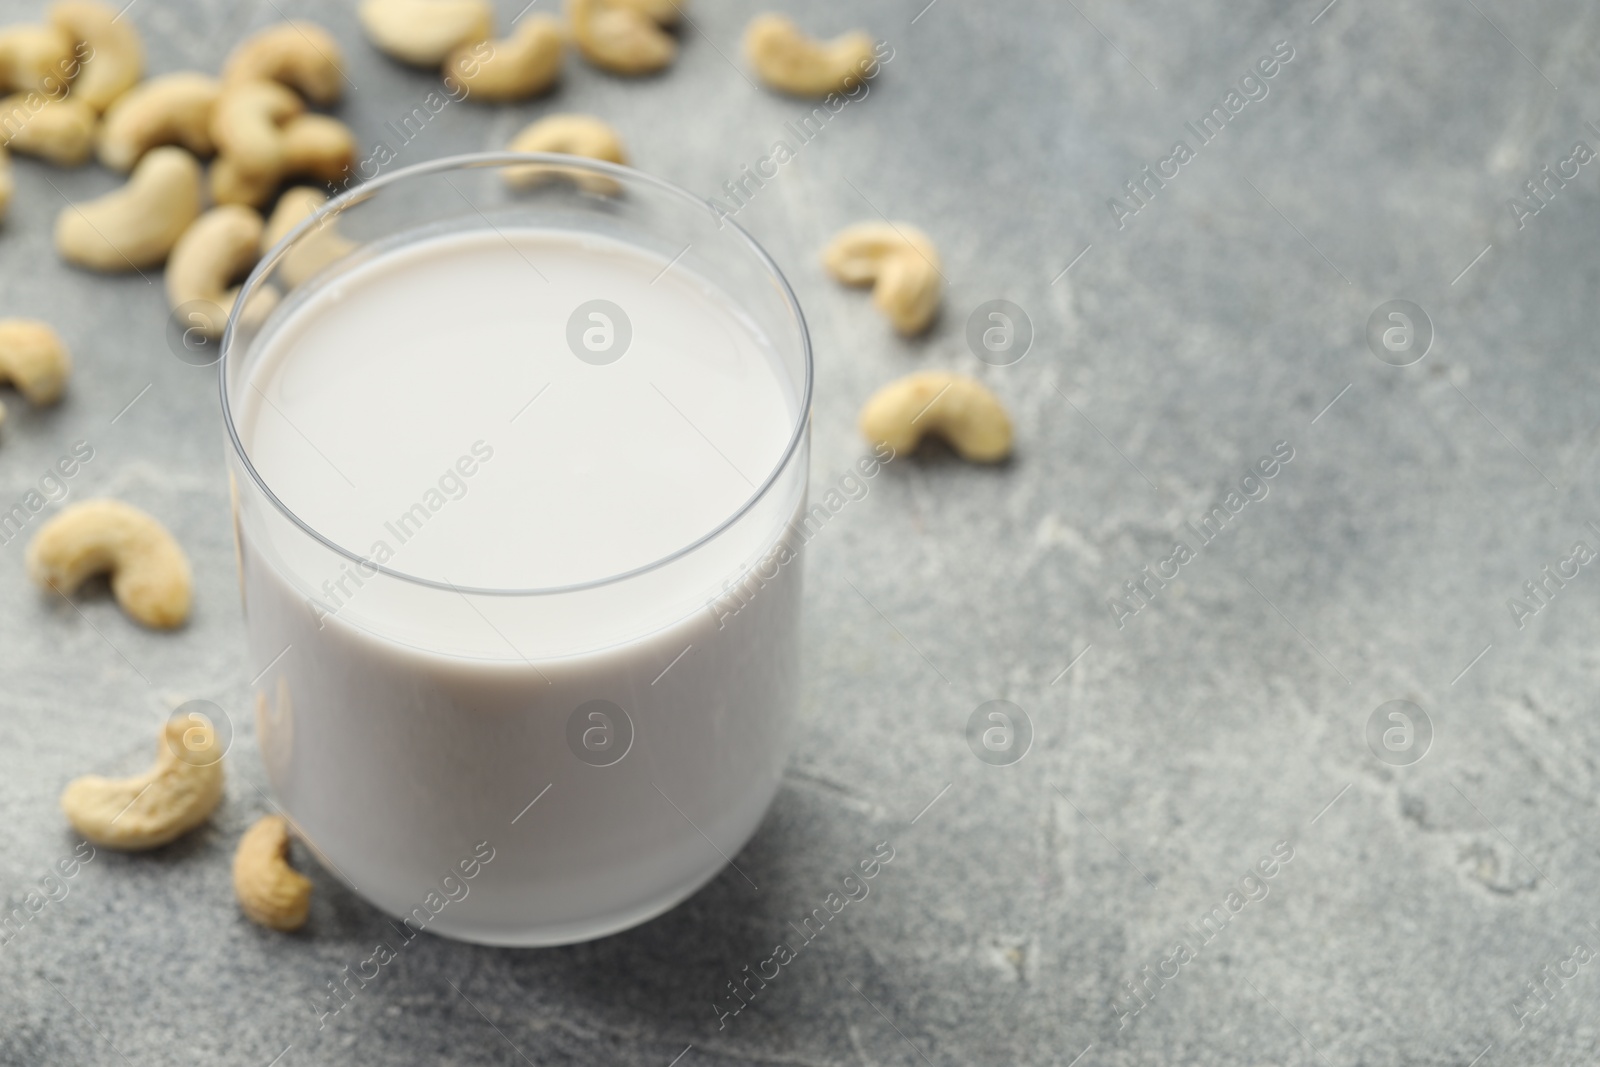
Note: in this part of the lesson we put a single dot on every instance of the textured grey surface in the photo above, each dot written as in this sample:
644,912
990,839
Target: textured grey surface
1177,752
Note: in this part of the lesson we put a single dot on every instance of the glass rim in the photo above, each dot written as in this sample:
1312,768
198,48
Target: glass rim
476,160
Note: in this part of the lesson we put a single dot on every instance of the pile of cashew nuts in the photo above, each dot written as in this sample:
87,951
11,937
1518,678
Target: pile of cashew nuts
232,141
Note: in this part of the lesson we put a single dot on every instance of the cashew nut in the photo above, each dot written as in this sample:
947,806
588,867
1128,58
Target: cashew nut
522,65
222,244
113,55
149,572
137,225
31,57
316,248
789,61
311,145
171,109
270,891
424,32
572,135
957,408
61,131
247,124
301,55
176,795
624,38
901,264
34,359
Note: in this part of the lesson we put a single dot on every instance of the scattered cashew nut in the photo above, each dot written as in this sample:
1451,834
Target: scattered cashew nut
149,572
31,57
572,135
270,891
137,225
314,146
61,131
301,55
222,244
624,38
34,359
247,124
171,109
176,795
424,32
789,61
522,65
314,249
113,56
900,263
957,408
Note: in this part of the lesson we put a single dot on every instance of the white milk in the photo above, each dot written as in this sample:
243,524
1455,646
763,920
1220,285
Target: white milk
426,412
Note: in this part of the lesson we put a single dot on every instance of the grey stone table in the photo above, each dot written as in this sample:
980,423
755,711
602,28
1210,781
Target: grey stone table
1106,899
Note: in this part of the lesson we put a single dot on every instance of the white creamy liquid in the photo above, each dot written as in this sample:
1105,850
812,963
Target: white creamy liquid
425,412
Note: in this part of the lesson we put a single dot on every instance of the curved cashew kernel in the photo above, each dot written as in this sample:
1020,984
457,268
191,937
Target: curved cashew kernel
171,109
788,60
957,408
222,244
315,146
34,359
149,572
900,260
270,891
572,135
318,146
624,38
176,795
32,56
137,225
61,131
315,248
114,55
522,65
424,32
301,55
247,124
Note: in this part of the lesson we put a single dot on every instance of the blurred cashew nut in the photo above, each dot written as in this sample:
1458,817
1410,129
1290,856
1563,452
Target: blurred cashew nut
171,109
787,60
522,65
573,135
176,795
149,572
952,406
898,261
35,59
221,245
301,55
247,124
424,32
112,54
623,37
270,892
60,131
314,249
34,359
137,225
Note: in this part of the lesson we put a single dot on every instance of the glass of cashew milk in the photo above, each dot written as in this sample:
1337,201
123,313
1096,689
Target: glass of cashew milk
518,449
